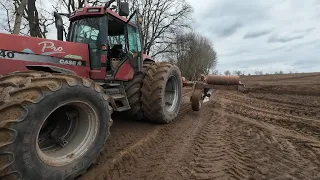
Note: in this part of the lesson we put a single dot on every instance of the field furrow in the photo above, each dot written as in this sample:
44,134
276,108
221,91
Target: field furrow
271,132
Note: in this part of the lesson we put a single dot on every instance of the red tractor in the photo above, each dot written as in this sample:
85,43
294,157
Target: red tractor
57,97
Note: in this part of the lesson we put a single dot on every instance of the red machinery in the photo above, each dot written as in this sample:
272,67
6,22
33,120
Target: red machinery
202,87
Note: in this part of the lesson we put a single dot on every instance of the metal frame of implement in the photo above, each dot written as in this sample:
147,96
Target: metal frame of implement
211,84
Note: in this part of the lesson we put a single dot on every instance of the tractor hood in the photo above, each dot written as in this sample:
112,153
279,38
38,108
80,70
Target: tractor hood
20,45
17,52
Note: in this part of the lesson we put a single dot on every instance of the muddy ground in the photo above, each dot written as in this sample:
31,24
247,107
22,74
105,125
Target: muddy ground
270,132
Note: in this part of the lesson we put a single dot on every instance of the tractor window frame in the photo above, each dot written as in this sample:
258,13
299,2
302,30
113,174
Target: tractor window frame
74,26
134,44
124,34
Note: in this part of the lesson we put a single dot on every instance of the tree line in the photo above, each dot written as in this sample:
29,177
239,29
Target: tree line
242,73
167,34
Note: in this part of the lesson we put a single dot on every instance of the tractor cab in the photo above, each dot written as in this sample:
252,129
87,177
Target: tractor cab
114,43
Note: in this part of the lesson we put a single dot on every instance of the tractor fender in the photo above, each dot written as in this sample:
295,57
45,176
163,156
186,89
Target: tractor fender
148,61
50,69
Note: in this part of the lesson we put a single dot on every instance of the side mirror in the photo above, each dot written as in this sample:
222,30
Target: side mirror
59,25
124,9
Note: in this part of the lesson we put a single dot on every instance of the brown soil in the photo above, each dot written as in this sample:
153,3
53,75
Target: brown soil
270,132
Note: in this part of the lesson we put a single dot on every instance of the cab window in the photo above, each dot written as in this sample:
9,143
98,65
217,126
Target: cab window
134,39
116,33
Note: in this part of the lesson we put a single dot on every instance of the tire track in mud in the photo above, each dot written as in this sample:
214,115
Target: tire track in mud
234,136
310,128
301,124
132,142
162,154
219,151
294,109
277,153
285,90
278,150
293,100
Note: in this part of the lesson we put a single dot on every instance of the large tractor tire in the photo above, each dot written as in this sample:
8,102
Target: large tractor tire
52,126
161,92
133,91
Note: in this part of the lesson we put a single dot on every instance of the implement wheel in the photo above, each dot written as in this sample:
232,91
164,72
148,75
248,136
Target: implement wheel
196,100
52,126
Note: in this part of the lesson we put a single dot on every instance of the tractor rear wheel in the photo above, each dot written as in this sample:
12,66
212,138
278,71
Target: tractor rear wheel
52,126
161,92
133,91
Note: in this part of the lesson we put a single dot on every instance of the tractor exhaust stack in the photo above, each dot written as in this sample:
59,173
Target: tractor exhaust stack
59,25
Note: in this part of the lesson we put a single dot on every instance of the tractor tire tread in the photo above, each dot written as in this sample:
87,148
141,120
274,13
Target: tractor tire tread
20,89
152,92
133,91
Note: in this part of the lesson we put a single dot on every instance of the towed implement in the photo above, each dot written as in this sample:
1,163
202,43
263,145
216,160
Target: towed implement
207,85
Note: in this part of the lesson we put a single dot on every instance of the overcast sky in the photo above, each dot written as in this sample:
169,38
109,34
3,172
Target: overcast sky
266,35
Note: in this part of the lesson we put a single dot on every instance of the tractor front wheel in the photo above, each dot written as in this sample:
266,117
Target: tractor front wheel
52,126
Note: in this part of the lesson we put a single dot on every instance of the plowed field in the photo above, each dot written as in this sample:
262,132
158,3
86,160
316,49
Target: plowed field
270,132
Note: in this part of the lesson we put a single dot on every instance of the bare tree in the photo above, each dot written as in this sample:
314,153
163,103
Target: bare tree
34,20
70,5
194,54
162,19
227,73
236,72
19,14
215,72
258,73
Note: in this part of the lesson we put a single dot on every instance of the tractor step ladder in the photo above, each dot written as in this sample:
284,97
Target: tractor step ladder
118,94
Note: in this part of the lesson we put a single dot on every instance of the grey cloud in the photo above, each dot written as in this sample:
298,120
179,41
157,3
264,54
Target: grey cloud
226,17
256,34
275,38
307,30
297,34
316,3
228,29
234,53
315,42
251,62
310,29
244,67
245,10
306,63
